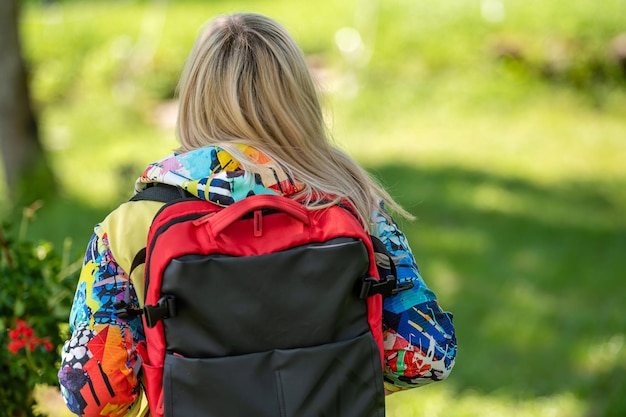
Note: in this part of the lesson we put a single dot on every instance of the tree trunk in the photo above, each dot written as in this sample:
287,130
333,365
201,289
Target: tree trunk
27,173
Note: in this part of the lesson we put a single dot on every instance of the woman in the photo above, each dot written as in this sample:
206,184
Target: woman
249,123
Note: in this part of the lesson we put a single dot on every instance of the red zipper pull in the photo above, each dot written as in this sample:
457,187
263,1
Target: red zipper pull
258,223
202,220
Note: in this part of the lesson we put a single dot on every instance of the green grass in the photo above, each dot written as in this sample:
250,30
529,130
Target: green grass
512,164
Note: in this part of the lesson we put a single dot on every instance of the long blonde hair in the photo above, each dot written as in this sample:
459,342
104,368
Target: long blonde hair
246,82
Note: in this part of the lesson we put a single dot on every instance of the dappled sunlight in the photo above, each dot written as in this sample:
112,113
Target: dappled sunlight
602,356
582,204
490,197
527,260
443,401
448,280
456,239
525,322
50,402
561,206
555,141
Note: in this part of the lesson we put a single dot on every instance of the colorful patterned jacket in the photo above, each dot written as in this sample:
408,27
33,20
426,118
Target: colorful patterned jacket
100,370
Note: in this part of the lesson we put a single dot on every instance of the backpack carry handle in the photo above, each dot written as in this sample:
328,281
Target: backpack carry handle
225,218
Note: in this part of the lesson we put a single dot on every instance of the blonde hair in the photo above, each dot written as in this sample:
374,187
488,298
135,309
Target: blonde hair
246,82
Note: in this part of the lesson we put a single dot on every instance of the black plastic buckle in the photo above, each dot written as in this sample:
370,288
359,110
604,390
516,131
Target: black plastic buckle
165,308
126,311
385,286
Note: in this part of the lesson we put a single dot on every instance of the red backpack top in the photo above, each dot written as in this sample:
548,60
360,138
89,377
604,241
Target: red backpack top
262,308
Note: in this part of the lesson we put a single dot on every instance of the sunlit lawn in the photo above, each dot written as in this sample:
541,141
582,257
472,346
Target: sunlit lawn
518,185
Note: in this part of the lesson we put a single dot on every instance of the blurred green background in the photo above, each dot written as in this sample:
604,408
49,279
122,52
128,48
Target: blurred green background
501,125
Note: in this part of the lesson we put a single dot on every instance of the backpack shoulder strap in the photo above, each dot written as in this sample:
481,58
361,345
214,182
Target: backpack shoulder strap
139,259
161,192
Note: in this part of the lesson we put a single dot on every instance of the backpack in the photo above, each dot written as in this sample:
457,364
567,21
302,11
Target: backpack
262,308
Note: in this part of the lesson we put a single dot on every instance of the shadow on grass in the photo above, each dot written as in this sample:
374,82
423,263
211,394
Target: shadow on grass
534,276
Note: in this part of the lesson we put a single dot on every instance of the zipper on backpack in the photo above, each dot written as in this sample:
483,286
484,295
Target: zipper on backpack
204,219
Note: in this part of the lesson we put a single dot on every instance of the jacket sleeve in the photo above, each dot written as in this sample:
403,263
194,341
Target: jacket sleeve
419,338
97,375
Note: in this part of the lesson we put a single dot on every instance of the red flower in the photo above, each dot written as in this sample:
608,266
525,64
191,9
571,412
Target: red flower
48,345
32,343
24,335
27,331
20,324
16,345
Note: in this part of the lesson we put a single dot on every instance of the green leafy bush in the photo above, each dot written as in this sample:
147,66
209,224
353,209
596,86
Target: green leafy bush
35,296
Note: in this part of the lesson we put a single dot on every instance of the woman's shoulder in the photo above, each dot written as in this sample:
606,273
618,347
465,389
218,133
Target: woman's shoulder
126,229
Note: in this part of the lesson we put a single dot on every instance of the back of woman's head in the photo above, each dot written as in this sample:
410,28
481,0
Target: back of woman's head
246,82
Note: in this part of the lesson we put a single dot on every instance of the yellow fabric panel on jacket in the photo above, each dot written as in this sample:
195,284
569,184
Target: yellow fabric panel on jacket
127,231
